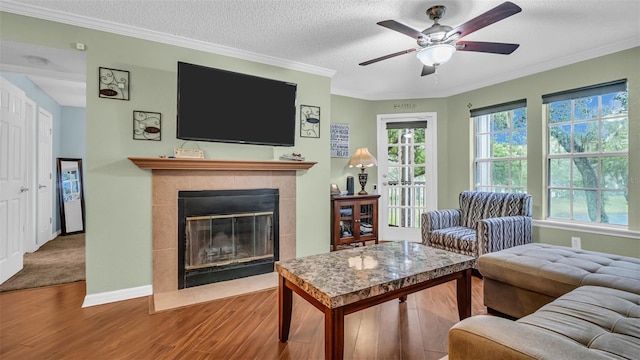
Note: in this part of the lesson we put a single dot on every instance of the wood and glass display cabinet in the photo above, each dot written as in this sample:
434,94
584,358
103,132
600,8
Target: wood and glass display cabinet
354,219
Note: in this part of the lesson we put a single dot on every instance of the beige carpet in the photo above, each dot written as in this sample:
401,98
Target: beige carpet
59,261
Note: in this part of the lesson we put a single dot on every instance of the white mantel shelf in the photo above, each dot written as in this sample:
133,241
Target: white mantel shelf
158,163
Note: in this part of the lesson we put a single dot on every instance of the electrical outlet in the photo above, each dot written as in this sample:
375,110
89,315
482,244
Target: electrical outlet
576,242
80,46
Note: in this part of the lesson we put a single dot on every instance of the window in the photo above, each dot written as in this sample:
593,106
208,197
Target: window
501,147
587,158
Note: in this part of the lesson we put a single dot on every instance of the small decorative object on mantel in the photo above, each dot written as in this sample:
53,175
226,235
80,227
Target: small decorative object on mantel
183,152
147,125
292,156
113,84
309,121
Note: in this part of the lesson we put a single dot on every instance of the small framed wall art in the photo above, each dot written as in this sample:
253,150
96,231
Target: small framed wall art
309,121
113,84
147,125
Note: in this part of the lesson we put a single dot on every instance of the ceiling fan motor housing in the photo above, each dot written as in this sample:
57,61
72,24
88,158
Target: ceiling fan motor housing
434,35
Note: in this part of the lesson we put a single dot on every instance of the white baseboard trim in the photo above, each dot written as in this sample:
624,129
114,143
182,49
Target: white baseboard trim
118,295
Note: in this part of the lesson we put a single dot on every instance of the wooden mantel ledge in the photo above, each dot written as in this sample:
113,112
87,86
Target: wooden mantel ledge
158,163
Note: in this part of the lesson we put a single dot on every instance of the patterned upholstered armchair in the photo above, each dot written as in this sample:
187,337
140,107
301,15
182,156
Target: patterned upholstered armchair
484,223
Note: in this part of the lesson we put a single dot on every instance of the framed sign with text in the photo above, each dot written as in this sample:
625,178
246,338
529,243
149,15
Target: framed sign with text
339,140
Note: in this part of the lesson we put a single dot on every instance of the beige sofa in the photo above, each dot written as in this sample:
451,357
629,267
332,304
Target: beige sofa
519,280
571,304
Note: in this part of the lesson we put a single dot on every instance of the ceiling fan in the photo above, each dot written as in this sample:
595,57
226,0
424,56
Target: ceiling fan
438,43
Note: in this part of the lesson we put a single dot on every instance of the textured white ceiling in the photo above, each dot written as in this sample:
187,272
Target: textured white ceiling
337,35
62,75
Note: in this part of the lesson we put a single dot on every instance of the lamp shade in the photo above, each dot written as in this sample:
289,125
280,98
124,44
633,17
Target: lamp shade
362,158
436,54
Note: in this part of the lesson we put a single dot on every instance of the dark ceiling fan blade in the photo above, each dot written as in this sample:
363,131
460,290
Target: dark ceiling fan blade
496,14
401,28
386,57
428,70
488,47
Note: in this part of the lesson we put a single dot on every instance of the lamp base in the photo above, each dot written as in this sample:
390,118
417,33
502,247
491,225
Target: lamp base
362,178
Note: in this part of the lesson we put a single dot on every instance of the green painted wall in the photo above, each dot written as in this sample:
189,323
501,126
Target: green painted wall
455,137
361,116
358,115
621,65
117,193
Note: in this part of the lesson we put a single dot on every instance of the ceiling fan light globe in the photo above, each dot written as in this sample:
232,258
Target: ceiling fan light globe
436,54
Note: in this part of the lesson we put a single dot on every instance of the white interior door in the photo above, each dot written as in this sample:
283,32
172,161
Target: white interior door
13,179
45,177
407,164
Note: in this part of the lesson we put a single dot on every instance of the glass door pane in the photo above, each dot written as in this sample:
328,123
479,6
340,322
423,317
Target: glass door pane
406,172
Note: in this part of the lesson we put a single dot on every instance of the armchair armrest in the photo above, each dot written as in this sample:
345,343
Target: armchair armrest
498,233
438,219
490,337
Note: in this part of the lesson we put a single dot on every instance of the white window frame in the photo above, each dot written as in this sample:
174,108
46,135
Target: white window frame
573,95
485,147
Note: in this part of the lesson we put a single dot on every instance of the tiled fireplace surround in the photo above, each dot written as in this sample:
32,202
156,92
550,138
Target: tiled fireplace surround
166,184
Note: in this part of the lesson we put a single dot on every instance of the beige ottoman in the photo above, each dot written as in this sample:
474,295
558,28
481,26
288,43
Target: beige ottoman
521,279
590,322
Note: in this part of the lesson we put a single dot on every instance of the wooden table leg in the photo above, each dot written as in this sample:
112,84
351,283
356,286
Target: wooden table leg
285,304
463,289
333,334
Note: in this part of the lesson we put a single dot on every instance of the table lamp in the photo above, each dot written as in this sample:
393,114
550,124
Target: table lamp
362,159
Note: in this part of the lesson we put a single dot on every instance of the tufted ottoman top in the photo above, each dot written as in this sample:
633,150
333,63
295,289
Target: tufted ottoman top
601,319
556,270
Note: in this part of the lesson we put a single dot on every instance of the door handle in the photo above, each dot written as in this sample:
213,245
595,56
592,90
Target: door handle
40,186
23,189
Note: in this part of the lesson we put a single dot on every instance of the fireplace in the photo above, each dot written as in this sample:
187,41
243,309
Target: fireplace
226,234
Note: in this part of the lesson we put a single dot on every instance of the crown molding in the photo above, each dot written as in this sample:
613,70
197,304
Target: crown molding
144,34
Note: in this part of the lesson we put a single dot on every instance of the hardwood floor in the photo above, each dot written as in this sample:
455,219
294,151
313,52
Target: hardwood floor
49,323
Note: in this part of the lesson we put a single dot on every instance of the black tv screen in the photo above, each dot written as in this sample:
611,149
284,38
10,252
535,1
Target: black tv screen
224,106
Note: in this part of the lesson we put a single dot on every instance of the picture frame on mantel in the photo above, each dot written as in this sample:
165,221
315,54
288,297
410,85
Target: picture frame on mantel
309,121
113,84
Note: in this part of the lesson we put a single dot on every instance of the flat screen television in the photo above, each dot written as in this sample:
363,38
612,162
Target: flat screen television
224,106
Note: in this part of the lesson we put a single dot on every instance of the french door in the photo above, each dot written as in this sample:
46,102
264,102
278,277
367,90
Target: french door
407,156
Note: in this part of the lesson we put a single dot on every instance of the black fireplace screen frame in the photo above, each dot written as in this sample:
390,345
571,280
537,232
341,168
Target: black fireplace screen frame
225,202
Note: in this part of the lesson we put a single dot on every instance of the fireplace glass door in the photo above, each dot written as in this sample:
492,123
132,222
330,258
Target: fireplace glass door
226,234
221,240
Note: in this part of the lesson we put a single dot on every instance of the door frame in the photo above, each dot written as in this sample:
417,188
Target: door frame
431,163
30,243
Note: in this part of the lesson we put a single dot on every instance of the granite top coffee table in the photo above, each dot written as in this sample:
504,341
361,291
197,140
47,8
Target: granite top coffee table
342,282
